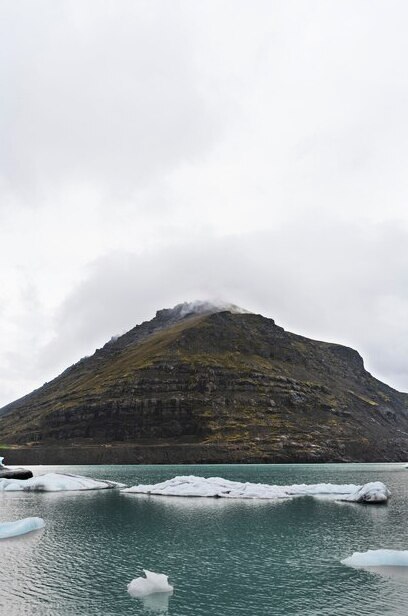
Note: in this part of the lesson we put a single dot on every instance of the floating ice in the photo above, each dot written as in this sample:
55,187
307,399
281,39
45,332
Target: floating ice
378,558
374,492
20,527
56,482
152,583
190,485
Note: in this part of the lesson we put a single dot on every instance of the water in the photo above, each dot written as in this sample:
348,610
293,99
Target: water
223,557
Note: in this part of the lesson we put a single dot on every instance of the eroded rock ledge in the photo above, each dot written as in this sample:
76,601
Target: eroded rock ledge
13,473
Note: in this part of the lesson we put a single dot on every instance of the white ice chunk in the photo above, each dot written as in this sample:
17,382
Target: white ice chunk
20,527
223,488
152,583
378,558
374,492
56,482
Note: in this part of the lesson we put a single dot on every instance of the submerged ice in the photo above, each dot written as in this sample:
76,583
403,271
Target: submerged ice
20,527
56,482
152,583
377,558
374,492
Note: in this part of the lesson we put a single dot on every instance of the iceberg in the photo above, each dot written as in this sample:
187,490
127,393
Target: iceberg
20,527
152,583
377,558
374,492
56,482
216,487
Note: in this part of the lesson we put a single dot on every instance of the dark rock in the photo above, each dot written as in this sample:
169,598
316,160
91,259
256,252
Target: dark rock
14,473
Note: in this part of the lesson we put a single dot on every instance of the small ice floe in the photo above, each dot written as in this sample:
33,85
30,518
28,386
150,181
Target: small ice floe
56,482
217,487
149,585
374,492
387,563
377,558
20,527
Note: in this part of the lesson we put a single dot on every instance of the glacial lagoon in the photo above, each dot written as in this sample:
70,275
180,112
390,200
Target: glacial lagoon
223,556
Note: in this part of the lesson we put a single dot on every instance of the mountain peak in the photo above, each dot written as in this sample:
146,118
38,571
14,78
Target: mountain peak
199,382
199,307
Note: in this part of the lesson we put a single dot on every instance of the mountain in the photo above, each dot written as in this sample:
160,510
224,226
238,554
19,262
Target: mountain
205,383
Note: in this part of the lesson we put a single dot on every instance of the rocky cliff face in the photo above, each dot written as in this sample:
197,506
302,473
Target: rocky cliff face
199,384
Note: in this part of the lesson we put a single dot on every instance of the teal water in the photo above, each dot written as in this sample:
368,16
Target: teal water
223,557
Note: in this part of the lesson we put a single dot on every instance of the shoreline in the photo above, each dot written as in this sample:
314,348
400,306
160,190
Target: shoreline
86,454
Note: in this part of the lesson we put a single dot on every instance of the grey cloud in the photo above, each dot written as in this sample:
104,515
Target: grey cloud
193,150
108,95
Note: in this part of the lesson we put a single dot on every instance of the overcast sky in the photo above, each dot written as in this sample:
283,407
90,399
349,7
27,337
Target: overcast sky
153,152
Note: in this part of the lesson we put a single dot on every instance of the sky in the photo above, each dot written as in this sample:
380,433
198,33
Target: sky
155,152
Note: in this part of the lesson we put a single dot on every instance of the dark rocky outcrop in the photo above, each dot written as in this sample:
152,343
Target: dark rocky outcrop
14,473
210,386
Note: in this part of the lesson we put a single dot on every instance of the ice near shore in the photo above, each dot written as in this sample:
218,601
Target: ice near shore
152,583
56,482
20,527
377,558
216,487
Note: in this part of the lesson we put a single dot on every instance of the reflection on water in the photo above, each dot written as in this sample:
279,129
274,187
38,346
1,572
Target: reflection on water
397,573
18,562
158,603
197,503
228,558
21,543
